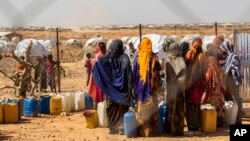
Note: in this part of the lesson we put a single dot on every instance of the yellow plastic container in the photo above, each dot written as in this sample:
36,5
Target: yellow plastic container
21,99
1,113
208,121
92,121
56,105
10,113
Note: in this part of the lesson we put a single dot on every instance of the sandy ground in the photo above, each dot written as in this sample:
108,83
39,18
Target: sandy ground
73,127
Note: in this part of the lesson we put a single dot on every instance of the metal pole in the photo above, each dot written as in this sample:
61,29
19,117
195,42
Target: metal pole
140,33
58,62
215,26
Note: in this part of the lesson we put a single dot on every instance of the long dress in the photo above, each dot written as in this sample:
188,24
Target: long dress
113,74
195,86
93,90
233,82
214,88
175,78
146,82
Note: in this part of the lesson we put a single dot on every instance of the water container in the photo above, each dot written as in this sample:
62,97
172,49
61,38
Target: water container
31,107
72,101
19,107
79,101
21,99
208,121
101,109
56,105
231,114
66,102
162,118
92,120
18,104
130,124
89,103
44,105
10,113
1,113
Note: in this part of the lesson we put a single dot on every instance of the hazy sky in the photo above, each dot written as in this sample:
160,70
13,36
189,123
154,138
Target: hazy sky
120,12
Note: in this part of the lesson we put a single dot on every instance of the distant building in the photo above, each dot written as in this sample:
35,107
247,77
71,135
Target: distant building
10,35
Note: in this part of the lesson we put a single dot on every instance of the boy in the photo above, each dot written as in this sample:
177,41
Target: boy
50,66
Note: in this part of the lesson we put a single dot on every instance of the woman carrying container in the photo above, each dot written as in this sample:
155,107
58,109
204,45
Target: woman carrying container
113,74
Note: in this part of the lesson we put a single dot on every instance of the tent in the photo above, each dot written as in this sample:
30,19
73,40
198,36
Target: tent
158,41
93,41
74,42
37,48
207,40
188,38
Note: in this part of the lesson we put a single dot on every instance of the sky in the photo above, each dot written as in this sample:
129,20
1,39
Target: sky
70,13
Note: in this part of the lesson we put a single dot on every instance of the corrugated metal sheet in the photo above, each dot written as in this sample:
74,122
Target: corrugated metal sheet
243,51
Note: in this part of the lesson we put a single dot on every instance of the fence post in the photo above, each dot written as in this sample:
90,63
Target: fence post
215,27
140,33
58,62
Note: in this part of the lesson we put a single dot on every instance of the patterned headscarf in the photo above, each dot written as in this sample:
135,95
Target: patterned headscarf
145,51
196,49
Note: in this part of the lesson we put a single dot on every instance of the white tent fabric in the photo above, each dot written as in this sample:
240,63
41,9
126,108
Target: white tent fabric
71,42
188,38
93,41
125,40
10,46
158,41
47,44
15,40
37,48
207,40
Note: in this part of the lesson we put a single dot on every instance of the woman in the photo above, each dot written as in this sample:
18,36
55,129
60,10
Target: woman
195,84
233,78
214,92
184,48
93,90
175,78
113,74
146,81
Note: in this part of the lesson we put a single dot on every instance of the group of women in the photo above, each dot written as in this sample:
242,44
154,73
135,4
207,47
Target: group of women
192,78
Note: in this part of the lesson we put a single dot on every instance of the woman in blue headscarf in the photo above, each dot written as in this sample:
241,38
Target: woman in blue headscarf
113,75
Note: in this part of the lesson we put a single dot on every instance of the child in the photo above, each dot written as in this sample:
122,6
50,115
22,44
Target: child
88,67
50,66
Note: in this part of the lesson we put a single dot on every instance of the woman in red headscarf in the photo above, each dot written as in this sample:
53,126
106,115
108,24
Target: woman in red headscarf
93,90
195,84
